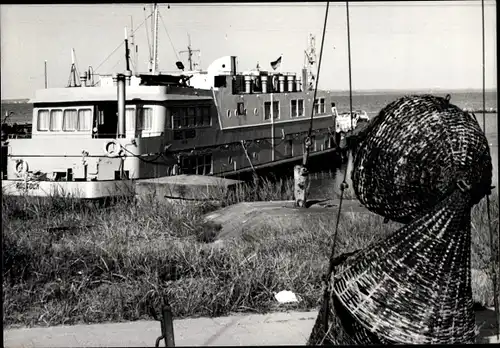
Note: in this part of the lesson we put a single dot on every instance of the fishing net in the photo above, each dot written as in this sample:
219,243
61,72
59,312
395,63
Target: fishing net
422,162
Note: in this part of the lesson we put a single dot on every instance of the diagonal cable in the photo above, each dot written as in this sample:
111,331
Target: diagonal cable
120,45
165,27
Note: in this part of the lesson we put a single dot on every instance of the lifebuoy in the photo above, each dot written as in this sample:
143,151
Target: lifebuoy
21,167
112,148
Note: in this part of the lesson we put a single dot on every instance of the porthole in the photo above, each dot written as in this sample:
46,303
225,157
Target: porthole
255,111
228,113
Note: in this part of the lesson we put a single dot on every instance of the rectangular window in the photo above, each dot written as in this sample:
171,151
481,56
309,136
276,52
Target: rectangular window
199,117
267,110
322,108
208,165
188,165
293,108
183,117
69,120
56,120
276,109
316,107
240,109
130,119
176,118
101,117
207,119
145,121
43,120
84,119
191,117
178,135
300,106
190,133
289,148
203,164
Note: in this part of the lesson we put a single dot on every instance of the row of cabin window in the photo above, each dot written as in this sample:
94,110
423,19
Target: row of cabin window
143,119
201,165
191,117
296,108
70,120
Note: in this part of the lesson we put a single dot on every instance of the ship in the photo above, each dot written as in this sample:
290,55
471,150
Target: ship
96,136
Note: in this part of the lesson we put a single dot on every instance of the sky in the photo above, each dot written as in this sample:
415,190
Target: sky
417,45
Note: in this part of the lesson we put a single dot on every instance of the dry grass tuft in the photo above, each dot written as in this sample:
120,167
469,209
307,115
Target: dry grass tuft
67,261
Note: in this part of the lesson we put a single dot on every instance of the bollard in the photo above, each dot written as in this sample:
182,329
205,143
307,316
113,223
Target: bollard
300,176
168,326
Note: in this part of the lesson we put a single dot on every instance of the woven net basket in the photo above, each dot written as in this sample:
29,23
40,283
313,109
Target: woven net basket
423,162
414,153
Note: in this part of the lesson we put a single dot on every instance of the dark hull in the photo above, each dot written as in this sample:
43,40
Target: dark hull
327,160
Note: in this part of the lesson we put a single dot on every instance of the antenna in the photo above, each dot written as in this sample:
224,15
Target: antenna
45,74
133,57
155,39
73,75
190,52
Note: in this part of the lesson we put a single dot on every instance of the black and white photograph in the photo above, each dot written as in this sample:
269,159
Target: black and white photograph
249,173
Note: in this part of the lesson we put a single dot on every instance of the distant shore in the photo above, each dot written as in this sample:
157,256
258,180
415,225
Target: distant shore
345,92
15,101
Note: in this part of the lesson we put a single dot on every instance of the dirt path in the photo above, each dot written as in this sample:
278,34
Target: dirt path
291,328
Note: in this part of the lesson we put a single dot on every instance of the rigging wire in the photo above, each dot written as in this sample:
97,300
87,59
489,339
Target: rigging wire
495,257
168,35
120,45
343,186
307,140
76,65
147,34
317,73
118,62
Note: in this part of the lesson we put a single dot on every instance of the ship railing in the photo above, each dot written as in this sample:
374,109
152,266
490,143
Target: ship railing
138,134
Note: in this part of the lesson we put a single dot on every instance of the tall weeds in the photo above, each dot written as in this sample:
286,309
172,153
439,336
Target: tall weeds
66,261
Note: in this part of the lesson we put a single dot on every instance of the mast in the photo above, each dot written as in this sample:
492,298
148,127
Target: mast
45,73
133,56
190,52
310,60
155,38
127,55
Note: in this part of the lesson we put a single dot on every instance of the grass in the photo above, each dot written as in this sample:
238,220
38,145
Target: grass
68,262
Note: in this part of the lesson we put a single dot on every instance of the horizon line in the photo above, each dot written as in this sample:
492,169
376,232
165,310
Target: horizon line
383,90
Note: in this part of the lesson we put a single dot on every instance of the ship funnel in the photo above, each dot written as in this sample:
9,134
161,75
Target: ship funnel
120,79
